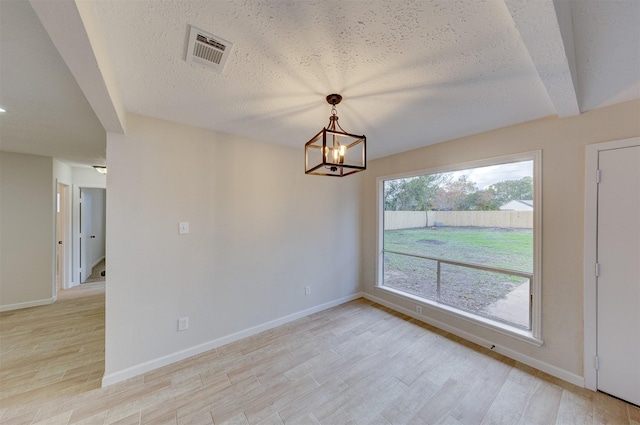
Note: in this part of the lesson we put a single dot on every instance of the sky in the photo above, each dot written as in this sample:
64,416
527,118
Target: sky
486,176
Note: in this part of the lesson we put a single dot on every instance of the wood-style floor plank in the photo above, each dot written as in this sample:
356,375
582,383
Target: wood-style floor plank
358,364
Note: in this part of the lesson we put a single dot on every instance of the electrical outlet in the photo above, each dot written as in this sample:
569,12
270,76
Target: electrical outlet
307,289
183,324
419,309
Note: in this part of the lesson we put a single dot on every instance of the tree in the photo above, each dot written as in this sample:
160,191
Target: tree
440,192
412,194
392,190
483,200
510,190
456,195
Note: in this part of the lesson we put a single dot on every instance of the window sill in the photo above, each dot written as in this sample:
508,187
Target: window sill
519,334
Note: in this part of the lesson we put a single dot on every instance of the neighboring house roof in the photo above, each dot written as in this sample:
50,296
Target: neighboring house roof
517,205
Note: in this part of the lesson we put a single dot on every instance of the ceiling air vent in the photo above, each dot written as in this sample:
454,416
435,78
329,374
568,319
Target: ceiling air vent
207,49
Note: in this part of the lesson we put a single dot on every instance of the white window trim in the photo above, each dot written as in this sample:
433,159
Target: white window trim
535,335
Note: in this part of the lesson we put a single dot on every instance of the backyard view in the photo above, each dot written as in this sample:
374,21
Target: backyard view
480,240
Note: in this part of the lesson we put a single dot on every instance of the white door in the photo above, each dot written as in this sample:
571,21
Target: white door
85,233
618,282
61,236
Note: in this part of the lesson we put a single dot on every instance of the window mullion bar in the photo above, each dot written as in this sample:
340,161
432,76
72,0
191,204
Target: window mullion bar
438,281
530,304
469,265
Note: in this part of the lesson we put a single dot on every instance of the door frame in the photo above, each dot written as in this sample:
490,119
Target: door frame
590,255
74,281
63,232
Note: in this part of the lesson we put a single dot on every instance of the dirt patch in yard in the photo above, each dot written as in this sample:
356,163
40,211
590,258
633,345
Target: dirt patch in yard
471,290
431,241
466,288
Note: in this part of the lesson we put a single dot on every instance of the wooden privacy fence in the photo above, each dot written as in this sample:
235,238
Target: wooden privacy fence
412,219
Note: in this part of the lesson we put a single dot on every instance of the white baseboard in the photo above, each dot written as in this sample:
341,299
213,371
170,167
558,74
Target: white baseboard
512,354
27,304
96,262
112,378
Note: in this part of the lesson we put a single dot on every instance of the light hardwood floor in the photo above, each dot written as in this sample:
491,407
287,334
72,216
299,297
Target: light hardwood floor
358,363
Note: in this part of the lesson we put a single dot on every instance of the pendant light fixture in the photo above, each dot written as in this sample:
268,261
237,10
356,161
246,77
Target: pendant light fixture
333,151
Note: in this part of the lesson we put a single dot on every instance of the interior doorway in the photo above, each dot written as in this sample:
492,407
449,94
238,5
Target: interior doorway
92,234
612,283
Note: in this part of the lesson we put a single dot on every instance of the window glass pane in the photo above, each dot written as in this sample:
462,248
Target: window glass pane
479,217
493,295
412,275
509,248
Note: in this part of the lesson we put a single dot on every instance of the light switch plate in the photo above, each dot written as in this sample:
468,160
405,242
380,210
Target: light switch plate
183,227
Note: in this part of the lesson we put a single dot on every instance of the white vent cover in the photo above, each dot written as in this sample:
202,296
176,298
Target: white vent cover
207,49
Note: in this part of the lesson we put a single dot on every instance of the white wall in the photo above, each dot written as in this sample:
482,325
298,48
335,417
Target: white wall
27,230
88,177
62,172
563,144
261,230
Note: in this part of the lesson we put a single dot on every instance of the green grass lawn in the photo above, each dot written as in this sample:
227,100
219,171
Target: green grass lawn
468,289
504,248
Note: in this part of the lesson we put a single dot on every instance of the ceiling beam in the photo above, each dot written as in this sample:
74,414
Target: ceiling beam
74,30
547,32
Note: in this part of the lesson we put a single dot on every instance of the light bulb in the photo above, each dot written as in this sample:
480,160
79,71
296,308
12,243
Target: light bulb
342,152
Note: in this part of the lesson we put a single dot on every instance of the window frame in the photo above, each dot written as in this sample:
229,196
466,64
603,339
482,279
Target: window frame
533,336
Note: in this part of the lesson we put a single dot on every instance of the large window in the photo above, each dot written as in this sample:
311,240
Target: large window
465,240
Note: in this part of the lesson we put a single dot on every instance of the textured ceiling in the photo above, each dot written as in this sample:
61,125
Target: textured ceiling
412,73
47,113
608,52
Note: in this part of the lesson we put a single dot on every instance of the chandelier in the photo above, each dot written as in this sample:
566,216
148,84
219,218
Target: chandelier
333,151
